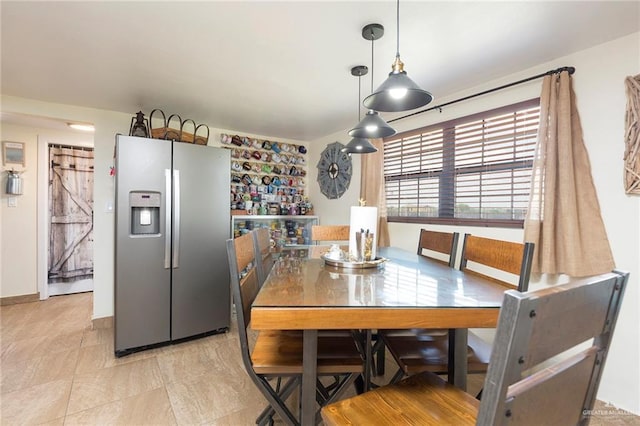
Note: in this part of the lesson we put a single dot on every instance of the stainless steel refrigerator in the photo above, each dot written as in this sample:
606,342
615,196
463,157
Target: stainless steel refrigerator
172,221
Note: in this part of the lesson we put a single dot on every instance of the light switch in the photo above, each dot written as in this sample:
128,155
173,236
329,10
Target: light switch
12,201
108,207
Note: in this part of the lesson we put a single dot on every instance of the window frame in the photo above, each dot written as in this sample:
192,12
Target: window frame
448,172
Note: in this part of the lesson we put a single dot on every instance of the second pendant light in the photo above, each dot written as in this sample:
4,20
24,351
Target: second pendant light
359,145
372,126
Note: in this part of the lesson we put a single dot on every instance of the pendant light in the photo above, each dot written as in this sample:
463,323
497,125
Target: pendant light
359,145
398,92
372,126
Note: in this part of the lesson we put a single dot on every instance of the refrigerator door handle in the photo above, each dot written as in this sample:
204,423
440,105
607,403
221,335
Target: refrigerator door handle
167,219
176,218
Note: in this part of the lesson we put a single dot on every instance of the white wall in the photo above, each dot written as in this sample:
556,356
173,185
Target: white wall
601,102
599,87
19,242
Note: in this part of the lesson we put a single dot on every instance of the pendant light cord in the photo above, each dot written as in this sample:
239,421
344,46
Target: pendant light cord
372,39
359,86
398,28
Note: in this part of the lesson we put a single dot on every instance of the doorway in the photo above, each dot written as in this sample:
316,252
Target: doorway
70,260
69,139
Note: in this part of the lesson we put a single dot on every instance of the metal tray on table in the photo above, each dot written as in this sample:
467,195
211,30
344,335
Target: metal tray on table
377,262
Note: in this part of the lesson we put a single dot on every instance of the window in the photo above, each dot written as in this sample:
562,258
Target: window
474,170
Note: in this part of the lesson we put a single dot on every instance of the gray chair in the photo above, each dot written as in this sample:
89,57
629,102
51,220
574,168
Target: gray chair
276,355
532,380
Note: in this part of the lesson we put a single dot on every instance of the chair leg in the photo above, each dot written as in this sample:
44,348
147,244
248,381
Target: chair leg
263,419
342,386
397,377
359,339
268,412
379,349
362,339
359,384
276,400
322,393
336,381
380,362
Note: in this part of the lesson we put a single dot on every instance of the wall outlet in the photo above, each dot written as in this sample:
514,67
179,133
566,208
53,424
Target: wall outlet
12,201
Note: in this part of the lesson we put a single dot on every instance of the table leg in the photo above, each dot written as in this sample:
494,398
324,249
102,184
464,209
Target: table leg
309,375
458,357
367,363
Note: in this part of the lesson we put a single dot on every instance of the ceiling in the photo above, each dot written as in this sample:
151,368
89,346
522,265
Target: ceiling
279,69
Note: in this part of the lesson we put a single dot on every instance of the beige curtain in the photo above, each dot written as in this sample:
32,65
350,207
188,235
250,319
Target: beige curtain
372,188
564,219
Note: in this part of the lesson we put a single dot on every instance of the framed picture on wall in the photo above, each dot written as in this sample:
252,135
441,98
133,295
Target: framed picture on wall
12,153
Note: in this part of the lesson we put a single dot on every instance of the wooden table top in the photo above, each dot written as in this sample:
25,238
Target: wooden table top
407,291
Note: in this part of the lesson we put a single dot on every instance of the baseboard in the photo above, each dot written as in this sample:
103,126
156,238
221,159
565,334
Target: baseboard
14,300
104,322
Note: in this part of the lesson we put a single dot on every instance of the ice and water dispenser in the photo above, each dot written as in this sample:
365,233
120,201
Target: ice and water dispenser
145,213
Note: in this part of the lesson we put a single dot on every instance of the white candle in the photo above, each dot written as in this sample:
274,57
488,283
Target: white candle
363,218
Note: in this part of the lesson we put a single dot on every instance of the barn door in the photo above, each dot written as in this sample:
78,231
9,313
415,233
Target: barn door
71,219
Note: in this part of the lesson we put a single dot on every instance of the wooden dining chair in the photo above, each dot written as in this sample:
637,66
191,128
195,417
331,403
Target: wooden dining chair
488,256
276,355
264,257
429,351
443,244
529,382
440,247
324,233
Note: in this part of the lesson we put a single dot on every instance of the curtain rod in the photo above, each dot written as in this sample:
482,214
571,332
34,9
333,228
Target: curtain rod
571,70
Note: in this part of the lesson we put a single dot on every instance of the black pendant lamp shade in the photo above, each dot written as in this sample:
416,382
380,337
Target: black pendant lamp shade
398,92
359,145
372,126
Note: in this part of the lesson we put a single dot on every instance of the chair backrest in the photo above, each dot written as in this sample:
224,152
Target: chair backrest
440,242
244,286
506,256
525,384
264,258
330,233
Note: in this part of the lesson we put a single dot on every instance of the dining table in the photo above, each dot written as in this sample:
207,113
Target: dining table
401,290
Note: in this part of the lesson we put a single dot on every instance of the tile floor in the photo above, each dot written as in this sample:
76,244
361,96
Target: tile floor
57,370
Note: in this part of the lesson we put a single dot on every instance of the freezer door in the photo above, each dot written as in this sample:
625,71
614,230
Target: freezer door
200,286
142,282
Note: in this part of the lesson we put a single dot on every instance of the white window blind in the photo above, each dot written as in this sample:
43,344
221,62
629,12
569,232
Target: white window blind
475,169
